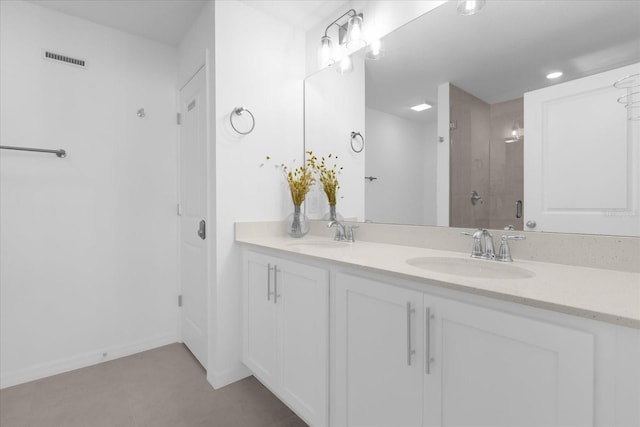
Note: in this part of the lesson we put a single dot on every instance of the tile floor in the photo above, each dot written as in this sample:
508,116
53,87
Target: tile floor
157,388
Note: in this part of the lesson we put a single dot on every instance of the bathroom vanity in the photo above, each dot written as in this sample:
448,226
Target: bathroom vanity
371,333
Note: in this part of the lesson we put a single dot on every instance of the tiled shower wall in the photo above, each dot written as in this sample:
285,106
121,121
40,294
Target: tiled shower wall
481,161
506,177
470,160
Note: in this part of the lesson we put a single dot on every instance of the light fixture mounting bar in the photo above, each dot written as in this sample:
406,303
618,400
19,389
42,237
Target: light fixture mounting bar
350,12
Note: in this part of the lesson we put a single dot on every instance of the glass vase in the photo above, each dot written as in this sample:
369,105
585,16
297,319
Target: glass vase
297,223
332,215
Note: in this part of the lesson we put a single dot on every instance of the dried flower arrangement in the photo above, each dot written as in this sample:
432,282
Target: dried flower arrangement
328,176
299,179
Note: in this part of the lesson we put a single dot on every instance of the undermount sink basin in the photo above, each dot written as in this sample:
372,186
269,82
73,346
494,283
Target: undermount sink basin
470,267
318,244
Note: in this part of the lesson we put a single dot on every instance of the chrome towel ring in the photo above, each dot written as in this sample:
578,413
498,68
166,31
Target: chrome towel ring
357,145
238,112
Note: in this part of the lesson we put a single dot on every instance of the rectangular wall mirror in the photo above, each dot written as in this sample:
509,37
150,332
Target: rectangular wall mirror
501,144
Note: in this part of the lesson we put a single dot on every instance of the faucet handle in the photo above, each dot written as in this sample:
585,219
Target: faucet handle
476,250
514,237
476,234
504,253
348,232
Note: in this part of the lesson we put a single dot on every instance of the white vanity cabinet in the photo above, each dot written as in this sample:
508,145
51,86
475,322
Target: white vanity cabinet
343,345
286,331
377,354
490,368
404,358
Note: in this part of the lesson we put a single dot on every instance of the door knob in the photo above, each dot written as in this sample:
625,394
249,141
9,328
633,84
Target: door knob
202,230
531,224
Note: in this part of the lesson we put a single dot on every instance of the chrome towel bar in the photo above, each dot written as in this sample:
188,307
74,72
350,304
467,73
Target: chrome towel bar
60,153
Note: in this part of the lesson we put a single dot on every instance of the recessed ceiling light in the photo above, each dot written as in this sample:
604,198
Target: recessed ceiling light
421,107
554,75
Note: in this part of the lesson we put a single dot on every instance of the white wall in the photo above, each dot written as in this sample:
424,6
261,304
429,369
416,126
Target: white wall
259,65
430,173
442,191
397,144
199,40
88,243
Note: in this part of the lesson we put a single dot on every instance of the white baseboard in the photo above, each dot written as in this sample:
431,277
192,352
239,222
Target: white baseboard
221,379
8,379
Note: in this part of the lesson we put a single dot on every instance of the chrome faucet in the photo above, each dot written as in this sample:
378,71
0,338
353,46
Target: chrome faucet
340,232
344,233
489,252
482,244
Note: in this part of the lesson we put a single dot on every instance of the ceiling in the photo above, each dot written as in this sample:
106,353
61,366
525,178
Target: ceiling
304,14
500,53
165,21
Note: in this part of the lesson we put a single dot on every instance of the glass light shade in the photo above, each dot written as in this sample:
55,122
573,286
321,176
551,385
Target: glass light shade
324,53
515,136
375,50
470,7
354,36
345,65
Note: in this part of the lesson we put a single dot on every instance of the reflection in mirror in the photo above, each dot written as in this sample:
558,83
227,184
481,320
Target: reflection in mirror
334,108
560,154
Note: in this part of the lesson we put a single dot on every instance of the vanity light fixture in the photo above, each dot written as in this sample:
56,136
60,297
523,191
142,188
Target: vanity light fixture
554,75
345,65
516,134
375,50
470,7
324,54
350,36
421,107
354,32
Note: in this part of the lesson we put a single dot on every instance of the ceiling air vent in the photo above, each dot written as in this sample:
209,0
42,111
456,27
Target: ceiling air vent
64,59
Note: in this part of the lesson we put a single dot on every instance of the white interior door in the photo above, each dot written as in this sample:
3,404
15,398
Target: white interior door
582,158
193,214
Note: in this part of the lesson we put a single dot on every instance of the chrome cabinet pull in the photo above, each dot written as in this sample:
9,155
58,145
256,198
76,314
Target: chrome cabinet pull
275,284
427,348
519,209
410,351
269,268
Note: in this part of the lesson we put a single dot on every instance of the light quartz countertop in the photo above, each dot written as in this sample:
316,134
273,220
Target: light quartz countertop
605,295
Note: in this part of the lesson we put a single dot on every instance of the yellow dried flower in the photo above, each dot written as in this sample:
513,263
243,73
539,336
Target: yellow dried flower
328,176
300,181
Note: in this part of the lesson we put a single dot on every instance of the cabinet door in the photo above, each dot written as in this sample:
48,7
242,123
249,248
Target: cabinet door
259,314
495,369
303,309
378,354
